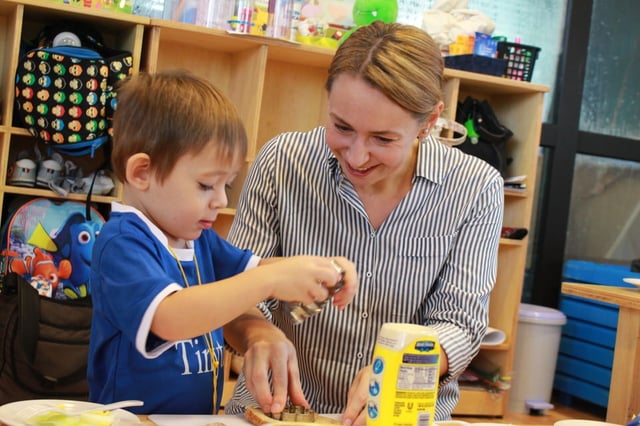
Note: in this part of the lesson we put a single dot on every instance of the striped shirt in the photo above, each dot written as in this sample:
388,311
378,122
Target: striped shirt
433,261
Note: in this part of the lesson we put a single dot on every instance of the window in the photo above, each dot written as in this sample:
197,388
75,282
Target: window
604,218
611,95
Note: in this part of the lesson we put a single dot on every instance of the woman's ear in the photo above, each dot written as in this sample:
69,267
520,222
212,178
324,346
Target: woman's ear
431,120
138,171
429,123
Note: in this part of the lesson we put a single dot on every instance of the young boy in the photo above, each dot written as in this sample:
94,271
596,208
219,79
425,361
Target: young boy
163,282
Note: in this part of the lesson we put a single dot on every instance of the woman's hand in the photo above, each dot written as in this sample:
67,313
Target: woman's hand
275,354
355,414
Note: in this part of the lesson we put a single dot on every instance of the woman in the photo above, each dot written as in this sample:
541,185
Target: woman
420,220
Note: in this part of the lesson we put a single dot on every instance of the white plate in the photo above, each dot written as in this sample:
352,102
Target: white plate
633,281
17,413
579,422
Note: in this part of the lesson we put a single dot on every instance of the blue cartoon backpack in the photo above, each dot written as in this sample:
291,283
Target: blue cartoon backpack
49,243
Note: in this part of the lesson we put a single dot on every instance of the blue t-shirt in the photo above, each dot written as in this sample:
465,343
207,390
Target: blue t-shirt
132,272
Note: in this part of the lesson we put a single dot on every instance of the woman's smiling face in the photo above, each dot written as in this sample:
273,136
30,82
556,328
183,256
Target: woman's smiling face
372,137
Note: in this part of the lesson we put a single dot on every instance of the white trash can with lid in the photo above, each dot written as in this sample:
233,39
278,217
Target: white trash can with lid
536,353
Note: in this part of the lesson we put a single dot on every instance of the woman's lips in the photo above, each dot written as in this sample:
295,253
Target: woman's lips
360,172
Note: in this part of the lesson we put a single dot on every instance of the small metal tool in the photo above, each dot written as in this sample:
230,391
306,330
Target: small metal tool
300,312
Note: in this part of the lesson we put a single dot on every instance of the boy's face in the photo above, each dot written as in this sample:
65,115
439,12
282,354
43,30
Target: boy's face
188,200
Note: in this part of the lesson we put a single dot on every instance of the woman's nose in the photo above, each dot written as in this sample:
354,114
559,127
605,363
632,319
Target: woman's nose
358,153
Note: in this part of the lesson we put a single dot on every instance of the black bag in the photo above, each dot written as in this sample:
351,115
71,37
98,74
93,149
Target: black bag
487,137
66,94
45,344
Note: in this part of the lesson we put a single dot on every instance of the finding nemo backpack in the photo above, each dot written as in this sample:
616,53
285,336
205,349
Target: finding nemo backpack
45,299
49,243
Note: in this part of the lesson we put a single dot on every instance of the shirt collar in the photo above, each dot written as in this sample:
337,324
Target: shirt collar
432,161
183,254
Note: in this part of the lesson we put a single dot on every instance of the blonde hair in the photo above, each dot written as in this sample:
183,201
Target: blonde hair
169,114
402,61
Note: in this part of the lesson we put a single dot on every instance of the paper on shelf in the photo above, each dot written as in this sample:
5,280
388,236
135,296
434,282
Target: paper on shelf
493,337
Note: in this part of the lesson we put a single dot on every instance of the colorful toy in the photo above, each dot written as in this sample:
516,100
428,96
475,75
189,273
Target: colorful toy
368,11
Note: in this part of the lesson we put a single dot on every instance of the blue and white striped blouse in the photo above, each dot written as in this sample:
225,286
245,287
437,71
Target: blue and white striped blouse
433,261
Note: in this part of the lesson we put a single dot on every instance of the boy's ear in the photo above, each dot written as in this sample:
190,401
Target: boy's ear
138,171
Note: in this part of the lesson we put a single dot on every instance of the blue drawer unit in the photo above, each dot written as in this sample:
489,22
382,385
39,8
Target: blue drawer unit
588,338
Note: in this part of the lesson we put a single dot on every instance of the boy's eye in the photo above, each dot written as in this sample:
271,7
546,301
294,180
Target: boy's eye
227,187
205,187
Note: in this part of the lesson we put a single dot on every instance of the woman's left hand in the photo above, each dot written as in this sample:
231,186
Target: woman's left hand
355,414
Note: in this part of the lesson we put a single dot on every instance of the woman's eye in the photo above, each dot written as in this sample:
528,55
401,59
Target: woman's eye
205,187
342,128
383,140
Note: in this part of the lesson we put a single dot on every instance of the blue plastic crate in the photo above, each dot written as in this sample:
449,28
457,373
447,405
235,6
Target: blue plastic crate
584,271
588,338
586,351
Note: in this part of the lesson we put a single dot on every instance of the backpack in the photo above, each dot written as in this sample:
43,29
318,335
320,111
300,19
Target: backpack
49,243
44,344
487,137
65,88
45,298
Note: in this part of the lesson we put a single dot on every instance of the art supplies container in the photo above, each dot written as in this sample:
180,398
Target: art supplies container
404,382
243,18
215,14
280,16
520,59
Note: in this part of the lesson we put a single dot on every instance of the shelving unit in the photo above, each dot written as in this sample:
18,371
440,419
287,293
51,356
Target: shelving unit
279,86
23,20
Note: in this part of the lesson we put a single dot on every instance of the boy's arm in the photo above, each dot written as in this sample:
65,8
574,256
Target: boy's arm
266,348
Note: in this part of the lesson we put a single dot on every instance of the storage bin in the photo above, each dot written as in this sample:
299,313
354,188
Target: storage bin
539,330
588,339
520,59
476,63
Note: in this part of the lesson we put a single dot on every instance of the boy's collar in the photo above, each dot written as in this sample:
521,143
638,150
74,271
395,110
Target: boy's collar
183,254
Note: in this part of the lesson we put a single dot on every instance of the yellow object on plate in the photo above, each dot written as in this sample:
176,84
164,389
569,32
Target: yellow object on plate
60,412
55,418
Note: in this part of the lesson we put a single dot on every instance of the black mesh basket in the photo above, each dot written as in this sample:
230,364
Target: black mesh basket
520,59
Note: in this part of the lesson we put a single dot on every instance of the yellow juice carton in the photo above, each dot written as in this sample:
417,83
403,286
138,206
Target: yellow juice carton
404,383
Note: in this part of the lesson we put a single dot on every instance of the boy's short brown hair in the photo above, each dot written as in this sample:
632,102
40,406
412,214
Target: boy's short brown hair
169,114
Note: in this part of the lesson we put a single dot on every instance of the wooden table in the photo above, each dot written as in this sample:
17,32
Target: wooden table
624,391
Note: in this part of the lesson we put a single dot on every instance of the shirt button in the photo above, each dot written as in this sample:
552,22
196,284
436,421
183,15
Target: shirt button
373,235
365,315
369,274
359,356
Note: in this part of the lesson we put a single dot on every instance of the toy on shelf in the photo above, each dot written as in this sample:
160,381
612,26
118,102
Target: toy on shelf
367,11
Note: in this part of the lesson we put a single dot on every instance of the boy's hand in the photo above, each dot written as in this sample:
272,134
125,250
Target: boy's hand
348,291
306,279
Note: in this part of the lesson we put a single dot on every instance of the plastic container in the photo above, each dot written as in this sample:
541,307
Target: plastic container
536,353
215,14
520,59
404,380
476,63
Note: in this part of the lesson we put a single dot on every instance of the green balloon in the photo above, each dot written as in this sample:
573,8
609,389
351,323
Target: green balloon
367,11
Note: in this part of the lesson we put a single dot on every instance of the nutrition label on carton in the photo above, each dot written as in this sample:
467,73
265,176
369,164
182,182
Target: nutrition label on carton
416,378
